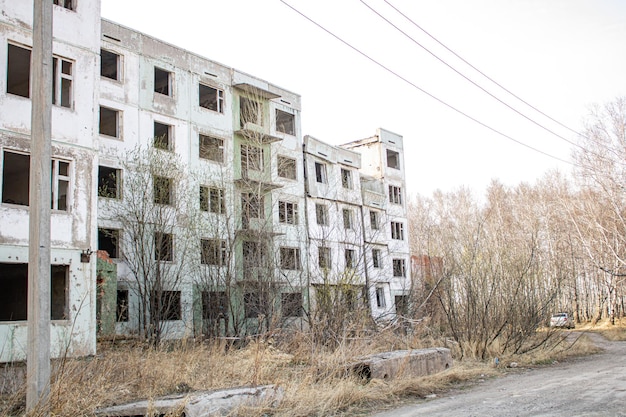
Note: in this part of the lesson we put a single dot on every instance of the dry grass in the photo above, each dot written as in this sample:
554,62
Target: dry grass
315,379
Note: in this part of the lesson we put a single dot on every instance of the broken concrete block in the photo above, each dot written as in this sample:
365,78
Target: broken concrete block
411,363
198,404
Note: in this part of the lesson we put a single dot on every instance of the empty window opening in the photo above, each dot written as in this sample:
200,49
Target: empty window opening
374,220
377,258
323,257
18,71
109,182
286,167
14,292
108,240
121,307
162,81
393,159
68,4
285,122
211,98
213,252
395,194
397,230
162,136
350,258
399,268
291,304
321,214
212,200
165,305
109,122
62,82
320,173
287,212
252,205
162,190
346,178
348,222
250,111
402,304
60,185
163,247
251,158
214,305
211,148
255,304
15,178
380,297
253,254
290,258
109,65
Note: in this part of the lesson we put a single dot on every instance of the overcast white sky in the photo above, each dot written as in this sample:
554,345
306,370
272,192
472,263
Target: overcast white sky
561,56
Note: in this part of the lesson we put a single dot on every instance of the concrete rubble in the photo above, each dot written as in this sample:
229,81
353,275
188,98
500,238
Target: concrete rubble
198,404
411,363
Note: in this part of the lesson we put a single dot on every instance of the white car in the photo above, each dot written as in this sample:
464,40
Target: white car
561,320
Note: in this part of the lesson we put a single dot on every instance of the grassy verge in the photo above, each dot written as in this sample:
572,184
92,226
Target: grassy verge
314,378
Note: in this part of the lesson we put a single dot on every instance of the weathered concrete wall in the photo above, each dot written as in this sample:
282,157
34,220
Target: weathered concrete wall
412,363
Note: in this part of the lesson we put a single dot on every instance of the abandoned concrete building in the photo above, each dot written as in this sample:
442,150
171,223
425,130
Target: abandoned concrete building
211,212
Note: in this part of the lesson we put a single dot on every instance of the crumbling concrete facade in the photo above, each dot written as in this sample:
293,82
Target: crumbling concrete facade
235,249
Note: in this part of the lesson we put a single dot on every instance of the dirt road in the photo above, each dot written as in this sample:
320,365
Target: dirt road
591,386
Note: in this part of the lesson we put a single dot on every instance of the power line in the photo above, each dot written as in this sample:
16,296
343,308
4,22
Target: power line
467,78
412,84
480,72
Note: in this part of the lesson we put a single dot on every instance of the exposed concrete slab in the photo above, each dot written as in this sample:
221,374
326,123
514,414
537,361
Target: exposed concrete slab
198,404
414,363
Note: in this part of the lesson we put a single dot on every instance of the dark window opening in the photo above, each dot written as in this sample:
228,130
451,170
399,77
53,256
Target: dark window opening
162,81
374,220
15,178
393,159
14,292
251,158
163,247
323,257
253,254
321,214
287,212
350,258
109,64
347,219
109,122
402,304
285,122
18,71
68,4
109,182
212,200
380,297
60,185
255,304
399,268
346,179
211,98
397,230
108,240
62,82
320,173
286,167
121,308
213,252
211,148
162,190
252,206
165,305
291,304
376,258
290,258
395,194
162,134
250,111
214,305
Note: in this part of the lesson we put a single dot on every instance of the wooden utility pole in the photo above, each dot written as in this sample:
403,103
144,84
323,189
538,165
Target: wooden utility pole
38,353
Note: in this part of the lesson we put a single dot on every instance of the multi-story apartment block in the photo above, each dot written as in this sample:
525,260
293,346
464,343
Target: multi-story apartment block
217,215
74,169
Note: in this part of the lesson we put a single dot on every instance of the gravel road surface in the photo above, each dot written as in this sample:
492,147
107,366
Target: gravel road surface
590,386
